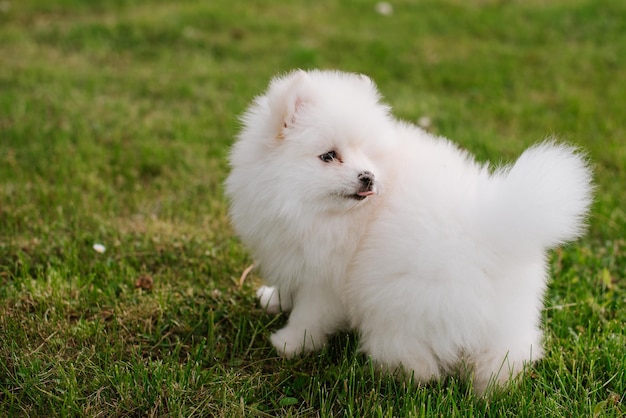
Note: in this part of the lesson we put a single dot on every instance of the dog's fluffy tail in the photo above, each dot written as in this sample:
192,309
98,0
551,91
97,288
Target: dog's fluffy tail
541,200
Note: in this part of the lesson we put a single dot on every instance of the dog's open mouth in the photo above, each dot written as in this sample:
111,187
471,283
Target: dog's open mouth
361,195
365,186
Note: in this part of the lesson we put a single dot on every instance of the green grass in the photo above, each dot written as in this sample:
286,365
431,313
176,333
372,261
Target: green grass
115,123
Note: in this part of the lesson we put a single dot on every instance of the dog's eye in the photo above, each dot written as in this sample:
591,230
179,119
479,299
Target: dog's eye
329,156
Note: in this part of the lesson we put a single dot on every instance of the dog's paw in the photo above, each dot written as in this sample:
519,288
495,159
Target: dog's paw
290,342
270,300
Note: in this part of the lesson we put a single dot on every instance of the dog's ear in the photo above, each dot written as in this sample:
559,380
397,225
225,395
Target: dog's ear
365,79
294,98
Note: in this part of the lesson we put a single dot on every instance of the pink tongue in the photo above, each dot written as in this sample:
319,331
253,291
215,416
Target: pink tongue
366,193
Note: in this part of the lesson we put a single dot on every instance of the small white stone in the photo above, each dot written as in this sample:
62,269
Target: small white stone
99,248
425,122
384,8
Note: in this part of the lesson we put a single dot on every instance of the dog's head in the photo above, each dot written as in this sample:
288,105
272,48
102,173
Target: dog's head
321,136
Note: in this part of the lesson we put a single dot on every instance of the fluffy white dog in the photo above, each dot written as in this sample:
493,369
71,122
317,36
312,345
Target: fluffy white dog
359,221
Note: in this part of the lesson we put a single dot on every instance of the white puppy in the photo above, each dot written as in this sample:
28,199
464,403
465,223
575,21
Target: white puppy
360,221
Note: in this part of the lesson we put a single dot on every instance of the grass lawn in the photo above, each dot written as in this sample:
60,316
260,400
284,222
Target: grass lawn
115,122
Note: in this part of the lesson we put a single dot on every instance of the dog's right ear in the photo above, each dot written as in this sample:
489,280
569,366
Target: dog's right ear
290,100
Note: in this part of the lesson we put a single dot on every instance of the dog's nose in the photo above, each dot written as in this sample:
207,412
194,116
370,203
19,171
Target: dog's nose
366,178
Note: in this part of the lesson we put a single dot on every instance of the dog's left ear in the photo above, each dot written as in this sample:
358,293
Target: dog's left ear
365,79
295,99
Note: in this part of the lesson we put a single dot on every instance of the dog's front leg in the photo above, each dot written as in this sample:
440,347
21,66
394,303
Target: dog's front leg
317,312
272,300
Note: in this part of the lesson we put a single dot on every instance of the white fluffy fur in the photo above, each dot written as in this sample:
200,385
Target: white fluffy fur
440,266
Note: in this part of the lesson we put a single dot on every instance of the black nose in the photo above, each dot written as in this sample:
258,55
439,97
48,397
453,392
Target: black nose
366,178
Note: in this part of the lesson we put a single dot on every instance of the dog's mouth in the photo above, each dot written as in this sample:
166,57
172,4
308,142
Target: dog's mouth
364,188
361,195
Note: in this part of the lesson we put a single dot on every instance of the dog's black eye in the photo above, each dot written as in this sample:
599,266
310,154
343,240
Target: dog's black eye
328,157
